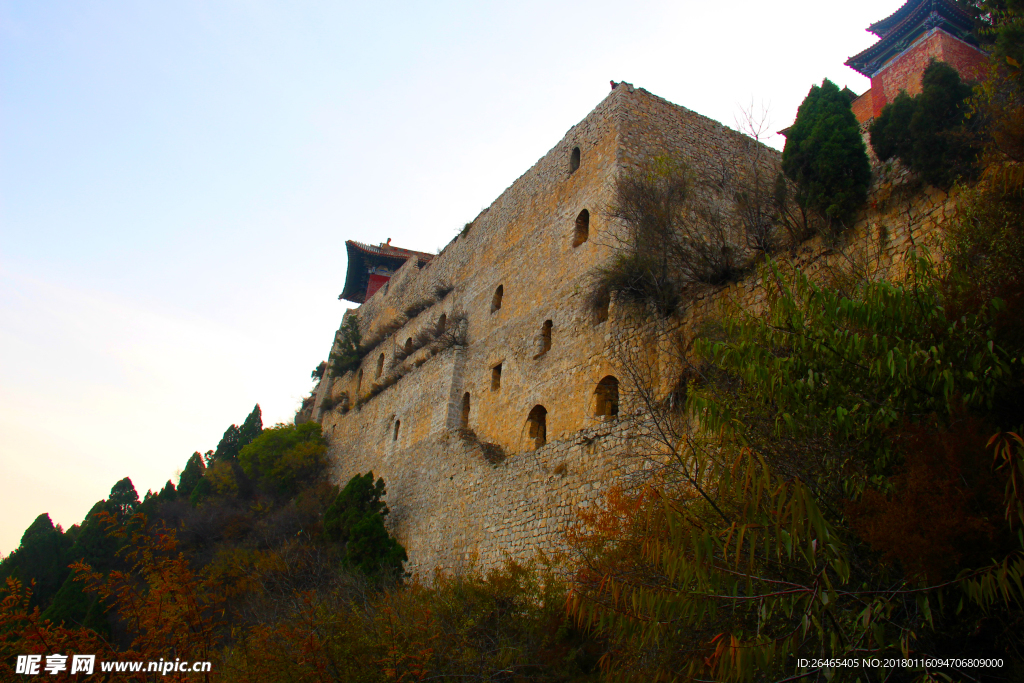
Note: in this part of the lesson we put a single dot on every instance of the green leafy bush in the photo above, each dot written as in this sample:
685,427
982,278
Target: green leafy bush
854,486
285,458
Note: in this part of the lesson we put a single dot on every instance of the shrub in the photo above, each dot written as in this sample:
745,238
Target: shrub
929,132
348,351
381,333
418,306
443,289
454,333
638,279
825,156
318,371
672,238
356,518
330,403
424,337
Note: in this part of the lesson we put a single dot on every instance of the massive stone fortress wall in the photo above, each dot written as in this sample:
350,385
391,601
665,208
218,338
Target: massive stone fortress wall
491,446
524,245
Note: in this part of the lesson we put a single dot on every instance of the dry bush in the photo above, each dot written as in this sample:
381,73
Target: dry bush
418,306
443,289
424,337
454,333
677,233
373,339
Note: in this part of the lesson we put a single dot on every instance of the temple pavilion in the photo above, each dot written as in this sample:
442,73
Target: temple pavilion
370,267
908,39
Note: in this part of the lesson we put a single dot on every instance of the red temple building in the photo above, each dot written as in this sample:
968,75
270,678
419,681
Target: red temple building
370,267
919,31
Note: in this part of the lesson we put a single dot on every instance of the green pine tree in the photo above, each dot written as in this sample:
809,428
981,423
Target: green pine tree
356,518
251,428
72,607
42,557
826,158
123,498
348,351
228,447
191,475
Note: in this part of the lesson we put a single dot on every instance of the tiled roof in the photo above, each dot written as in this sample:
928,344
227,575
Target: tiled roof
356,277
390,251
905,24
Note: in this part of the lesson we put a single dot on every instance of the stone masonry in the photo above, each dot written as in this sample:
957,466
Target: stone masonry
470,476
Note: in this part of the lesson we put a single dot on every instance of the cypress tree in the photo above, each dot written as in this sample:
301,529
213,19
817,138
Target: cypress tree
191,475
825,156
41,557
356,518
251,428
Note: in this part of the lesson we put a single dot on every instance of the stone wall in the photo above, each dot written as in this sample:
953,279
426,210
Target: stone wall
524,243
479,489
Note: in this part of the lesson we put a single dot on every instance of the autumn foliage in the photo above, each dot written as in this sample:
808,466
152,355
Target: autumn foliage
945,508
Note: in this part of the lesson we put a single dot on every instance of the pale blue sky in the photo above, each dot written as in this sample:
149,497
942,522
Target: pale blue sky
177,181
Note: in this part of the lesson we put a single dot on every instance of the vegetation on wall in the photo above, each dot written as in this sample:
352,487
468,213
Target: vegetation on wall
672,238
846,479
348,350
859,491
684,230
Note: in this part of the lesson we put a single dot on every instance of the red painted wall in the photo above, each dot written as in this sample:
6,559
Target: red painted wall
862,107
376,282
904,71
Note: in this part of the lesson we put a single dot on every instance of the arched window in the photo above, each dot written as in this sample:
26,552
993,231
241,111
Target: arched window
398,423
606,403
582,231
574,159
465,411
496,377
442,324
496,301
380,366
544,344
537,426
408,346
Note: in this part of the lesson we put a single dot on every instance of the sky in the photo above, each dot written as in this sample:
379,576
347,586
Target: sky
177,181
